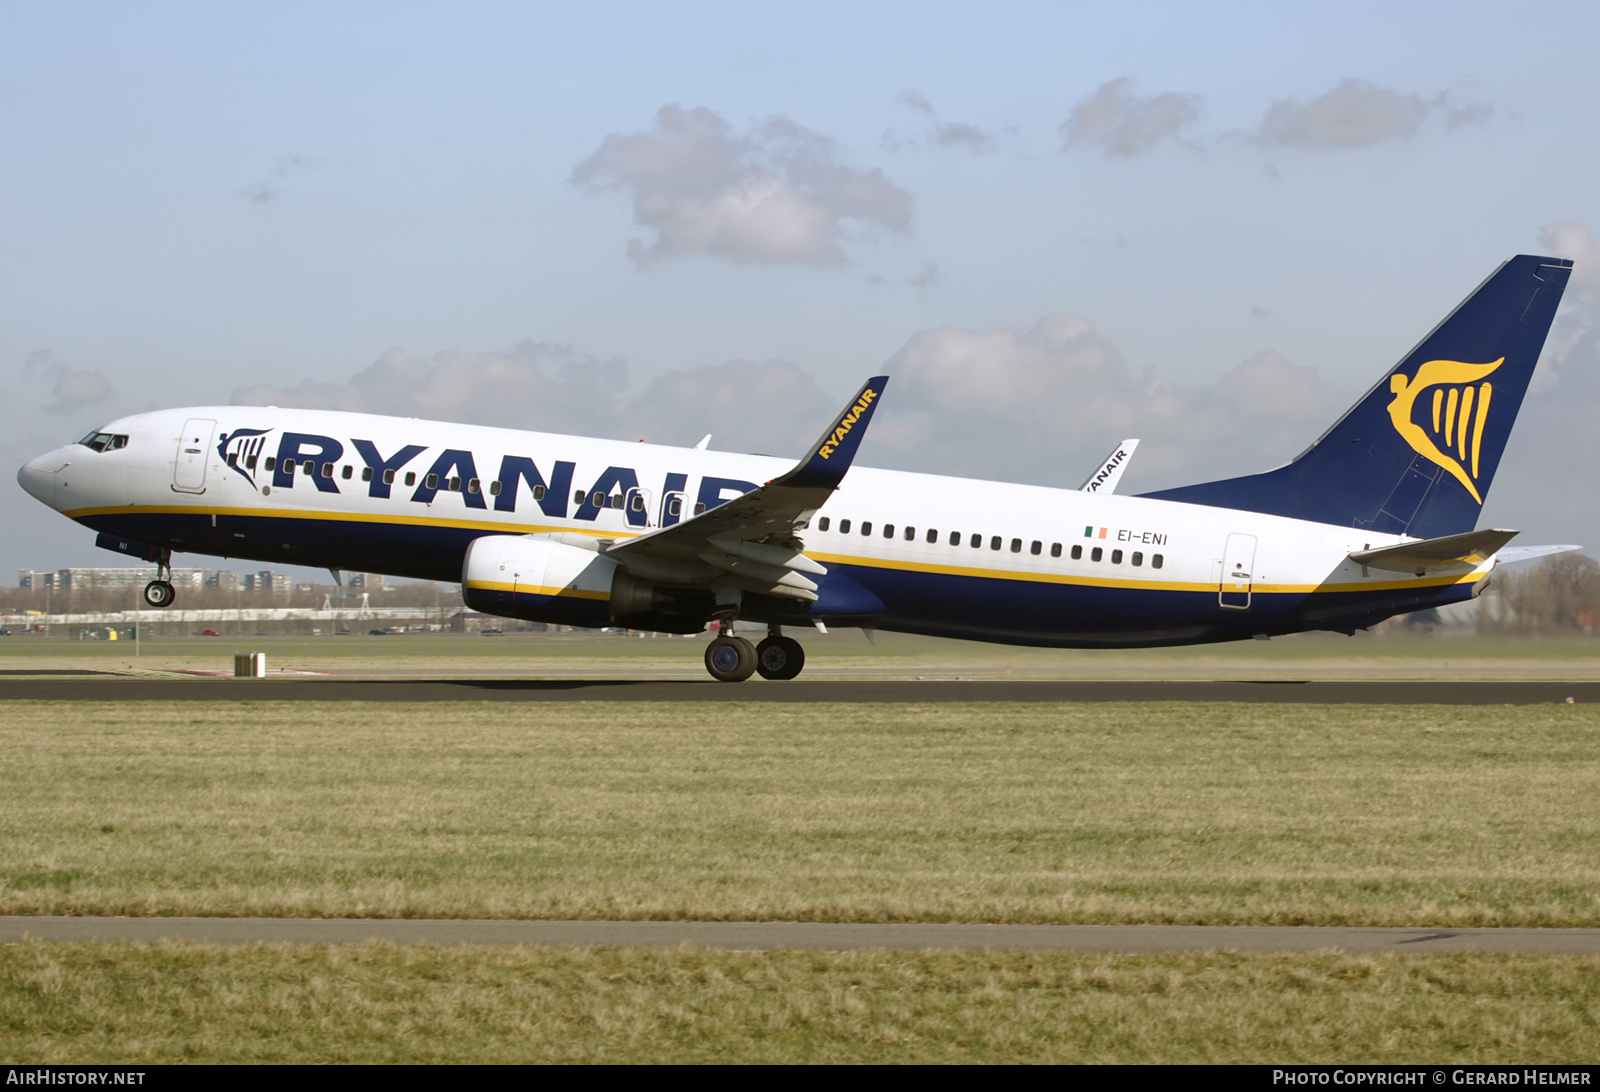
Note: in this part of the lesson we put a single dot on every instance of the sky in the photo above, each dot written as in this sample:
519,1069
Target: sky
1208,226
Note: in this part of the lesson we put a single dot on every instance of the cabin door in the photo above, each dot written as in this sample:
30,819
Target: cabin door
1238,563
194,448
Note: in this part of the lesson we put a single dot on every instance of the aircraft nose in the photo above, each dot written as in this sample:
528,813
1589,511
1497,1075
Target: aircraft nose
38,476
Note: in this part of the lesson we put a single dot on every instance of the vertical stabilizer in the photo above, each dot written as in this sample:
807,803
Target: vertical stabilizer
1417,454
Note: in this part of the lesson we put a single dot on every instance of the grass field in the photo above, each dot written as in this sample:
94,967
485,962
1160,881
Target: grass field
133,1004
1417,816
843,653
1222,814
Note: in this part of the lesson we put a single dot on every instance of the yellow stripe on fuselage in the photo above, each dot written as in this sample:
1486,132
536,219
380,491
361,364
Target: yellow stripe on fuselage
837,559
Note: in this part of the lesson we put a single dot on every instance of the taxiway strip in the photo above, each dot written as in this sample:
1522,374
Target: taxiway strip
125,689
817,936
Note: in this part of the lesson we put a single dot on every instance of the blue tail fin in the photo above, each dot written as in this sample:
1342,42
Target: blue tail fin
1417,454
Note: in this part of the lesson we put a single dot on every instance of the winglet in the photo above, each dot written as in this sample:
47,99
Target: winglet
835,449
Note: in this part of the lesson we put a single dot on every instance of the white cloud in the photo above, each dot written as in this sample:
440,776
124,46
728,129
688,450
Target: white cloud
775,195
769,406
71,389
1042,404
1359,114
1122,124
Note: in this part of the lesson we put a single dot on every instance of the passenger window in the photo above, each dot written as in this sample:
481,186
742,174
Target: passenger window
616,501
1096,554
455,485
822,524
1077,553
310,467
388,477
327,470
911,534
348,472
888,530
844,527
955,538
432,481
473,486
866,527
288,465
494,490
638,502
1155,561
366,474
250,462
994,543
1037,548
233,458
1116,557
577,496
675,507
977,540
933,537
1016,545
1138,558
1055,549
411,477
272,461
599,499
538,491
699,507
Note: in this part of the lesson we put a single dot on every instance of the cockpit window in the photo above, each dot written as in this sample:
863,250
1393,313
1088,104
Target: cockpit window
104,441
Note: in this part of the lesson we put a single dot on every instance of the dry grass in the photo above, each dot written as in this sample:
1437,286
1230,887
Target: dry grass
134,1004
1004,813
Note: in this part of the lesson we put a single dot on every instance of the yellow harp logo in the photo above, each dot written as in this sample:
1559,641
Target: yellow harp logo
1460,405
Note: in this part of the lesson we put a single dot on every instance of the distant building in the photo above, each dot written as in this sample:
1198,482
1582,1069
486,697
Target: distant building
267,581
27,578
367,582
222,579
93,579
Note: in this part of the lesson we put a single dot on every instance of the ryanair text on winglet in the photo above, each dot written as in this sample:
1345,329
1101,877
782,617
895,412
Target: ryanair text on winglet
847,422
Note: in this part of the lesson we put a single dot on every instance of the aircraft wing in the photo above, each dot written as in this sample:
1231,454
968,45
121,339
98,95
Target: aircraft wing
1432,555
751,540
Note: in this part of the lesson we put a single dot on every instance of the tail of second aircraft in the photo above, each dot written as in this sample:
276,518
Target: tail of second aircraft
1417,454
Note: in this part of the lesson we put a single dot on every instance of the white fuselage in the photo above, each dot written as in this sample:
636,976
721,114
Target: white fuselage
406,496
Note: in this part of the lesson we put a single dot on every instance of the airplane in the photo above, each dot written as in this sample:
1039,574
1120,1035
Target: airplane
1376,518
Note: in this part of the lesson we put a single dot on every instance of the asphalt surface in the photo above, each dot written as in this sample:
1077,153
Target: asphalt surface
816,936
89,687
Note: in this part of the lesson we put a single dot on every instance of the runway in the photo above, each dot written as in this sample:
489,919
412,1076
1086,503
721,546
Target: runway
814,936
113,688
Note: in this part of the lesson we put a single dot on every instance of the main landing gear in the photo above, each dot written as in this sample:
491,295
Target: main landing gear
160,592
734,659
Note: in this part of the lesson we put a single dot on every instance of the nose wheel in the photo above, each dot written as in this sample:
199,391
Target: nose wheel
160,592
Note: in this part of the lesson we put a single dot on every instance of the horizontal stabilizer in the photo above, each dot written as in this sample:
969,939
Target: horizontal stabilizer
1528,553
1431,555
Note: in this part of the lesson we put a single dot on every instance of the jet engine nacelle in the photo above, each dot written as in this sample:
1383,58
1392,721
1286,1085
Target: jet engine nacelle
520,576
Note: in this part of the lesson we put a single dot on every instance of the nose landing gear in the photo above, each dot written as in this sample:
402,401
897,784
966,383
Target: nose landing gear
160,592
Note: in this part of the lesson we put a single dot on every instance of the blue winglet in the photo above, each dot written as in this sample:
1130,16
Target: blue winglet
835,449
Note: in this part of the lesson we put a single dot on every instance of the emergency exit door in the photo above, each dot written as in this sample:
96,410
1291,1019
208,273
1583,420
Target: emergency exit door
1238,565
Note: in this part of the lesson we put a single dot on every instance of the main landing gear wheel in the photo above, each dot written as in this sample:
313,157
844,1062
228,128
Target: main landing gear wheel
159,593
730,659
780,658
